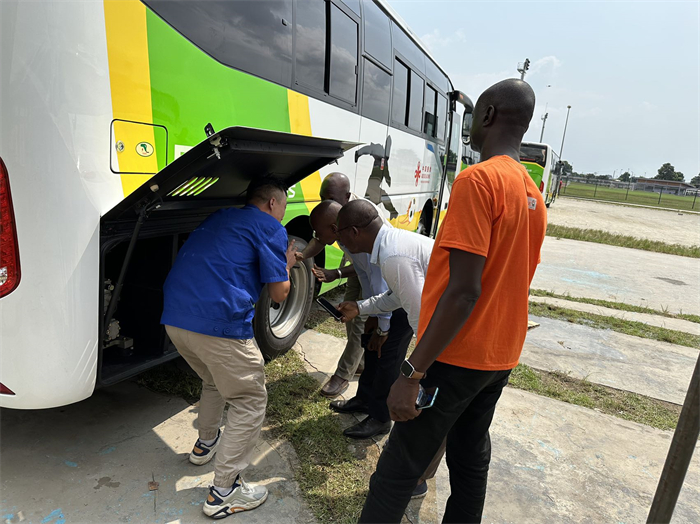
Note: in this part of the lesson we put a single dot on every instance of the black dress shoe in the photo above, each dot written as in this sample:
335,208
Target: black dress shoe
354,405
369,427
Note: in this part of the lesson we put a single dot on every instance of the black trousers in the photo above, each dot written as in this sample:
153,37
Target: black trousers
462,412
381,373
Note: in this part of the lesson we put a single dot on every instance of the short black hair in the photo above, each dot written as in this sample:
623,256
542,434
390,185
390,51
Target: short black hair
264,188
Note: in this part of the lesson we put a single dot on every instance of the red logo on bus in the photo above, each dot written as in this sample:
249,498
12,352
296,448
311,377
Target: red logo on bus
417,172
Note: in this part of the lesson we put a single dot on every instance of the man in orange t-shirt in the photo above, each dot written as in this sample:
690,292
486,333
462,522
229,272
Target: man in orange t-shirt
473,317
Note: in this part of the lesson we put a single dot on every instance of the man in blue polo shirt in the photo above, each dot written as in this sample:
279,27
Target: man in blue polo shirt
209,303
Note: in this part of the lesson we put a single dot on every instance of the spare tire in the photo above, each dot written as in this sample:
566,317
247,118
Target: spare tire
277,326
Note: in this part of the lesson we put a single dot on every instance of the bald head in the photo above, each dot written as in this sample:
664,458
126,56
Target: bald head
357,213
504,109
358,224
323,221
326,211
336,186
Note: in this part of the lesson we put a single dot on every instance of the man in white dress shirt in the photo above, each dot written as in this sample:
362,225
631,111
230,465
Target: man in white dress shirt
403,257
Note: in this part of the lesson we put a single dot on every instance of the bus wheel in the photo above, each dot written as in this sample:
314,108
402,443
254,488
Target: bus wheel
277,326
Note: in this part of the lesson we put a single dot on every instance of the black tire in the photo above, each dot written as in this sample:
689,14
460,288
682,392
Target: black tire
277,326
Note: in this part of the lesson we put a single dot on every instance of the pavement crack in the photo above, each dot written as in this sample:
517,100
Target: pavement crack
303,354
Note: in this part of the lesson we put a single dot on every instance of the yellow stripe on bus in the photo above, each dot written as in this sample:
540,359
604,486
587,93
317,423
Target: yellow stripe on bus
130,82
300,124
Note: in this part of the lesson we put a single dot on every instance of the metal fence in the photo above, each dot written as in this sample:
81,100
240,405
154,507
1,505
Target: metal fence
671,196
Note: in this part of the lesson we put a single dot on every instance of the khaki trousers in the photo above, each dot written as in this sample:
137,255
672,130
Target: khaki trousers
232,373
353,353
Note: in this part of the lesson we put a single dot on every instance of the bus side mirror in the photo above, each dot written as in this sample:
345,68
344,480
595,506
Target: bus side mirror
467,124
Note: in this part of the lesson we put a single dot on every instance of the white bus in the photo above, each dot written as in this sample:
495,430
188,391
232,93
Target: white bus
542,163
106,165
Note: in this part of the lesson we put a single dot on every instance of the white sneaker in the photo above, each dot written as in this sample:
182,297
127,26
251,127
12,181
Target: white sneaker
201,453
244,497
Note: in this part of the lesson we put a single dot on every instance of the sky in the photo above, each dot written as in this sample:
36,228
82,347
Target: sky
629,70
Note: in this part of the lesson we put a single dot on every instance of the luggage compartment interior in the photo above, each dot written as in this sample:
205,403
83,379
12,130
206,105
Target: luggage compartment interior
136,340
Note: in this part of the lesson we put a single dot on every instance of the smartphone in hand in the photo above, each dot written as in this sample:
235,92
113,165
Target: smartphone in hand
329,308
426,397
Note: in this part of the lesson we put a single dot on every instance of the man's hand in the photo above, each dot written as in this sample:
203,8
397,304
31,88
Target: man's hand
291,254
349,310
376,343
299,255
325,275
402,399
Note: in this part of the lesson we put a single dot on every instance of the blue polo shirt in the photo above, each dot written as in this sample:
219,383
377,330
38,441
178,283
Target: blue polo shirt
219,272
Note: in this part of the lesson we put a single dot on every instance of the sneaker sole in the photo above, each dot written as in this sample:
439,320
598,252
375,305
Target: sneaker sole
422,495
221,512
200,461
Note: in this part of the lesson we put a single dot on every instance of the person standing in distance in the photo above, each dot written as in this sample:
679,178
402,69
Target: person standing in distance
209,304
473,318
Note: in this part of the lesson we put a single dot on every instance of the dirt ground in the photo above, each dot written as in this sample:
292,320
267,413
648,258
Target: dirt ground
653,224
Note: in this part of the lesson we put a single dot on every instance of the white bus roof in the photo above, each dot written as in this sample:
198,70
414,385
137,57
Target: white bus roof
403,25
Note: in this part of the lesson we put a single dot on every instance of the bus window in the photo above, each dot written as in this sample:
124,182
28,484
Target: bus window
250,36
407,48
343,66
310,53
441,124
376,92
354,5
436,76
398,104
377,33
535,154
415,107
430,121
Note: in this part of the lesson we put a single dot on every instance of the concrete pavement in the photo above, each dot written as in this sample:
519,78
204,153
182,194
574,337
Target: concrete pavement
586,269
552,461
676,324
648,367
92,462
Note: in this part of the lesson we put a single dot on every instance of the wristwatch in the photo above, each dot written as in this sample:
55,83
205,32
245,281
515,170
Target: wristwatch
408,371
381,333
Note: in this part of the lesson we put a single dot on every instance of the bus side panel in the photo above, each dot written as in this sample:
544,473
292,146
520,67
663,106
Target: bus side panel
54,130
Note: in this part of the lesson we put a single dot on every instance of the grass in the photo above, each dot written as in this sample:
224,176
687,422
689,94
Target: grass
617,305
622,404
333,473
628,327
332,478
603,237
646,198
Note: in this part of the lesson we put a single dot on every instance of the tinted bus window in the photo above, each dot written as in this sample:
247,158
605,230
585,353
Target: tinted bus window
343,77
400,93
535,154
354,5
377,33
441,124
376,92
436,76
415,109
310,52
430,120
404,45
248,35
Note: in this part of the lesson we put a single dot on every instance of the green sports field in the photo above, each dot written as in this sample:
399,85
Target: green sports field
647,198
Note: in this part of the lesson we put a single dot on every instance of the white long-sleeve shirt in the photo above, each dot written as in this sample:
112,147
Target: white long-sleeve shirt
403,257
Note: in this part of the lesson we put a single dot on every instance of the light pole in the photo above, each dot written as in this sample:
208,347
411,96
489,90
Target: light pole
544,122
544,118
561,150
522,68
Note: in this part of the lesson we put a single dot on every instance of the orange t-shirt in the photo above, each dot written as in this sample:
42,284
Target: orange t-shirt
495,211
